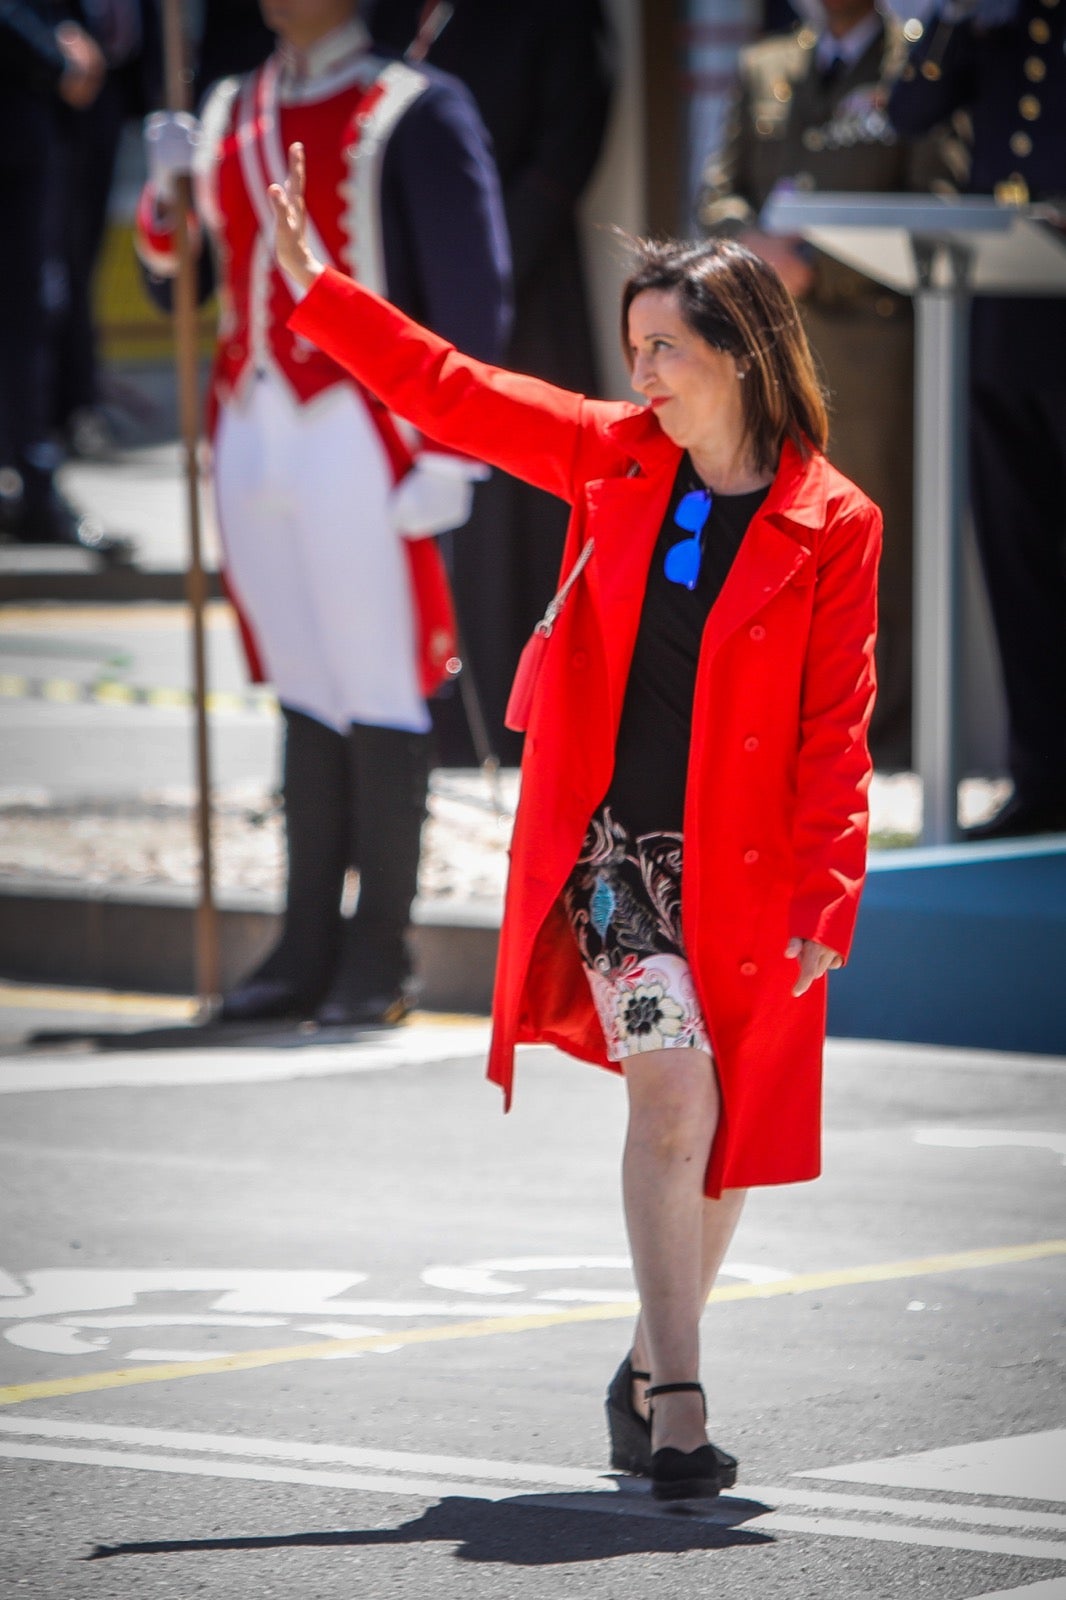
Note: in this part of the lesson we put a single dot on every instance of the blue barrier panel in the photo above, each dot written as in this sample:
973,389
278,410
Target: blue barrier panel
962,945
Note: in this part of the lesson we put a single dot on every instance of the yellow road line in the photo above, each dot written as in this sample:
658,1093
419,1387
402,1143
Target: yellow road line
136,618
802,1283
38,998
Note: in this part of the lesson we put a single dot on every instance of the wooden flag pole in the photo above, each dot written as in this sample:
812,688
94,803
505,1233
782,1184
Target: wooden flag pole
178,80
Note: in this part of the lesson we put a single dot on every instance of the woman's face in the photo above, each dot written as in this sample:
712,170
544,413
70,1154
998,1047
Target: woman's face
693,389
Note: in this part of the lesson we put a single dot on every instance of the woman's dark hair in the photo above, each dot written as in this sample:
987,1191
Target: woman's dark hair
737,302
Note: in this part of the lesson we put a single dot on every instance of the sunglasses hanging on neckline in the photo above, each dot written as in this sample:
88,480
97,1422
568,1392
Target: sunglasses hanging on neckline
683,560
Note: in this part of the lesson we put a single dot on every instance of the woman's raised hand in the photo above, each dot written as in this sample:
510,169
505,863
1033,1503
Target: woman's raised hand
293,253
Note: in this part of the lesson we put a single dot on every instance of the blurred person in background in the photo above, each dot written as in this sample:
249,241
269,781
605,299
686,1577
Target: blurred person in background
541,74
47,62
126,32
1001,63
324,505
232,38
809,110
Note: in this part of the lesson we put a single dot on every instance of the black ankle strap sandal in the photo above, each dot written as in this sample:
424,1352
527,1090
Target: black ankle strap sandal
630,1433
677,1388
686,1474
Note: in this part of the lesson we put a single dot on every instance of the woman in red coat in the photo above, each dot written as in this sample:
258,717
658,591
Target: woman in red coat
690,843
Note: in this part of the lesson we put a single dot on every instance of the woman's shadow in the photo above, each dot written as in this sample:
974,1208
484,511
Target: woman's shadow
530,1530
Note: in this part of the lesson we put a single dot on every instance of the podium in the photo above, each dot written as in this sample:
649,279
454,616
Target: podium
941,251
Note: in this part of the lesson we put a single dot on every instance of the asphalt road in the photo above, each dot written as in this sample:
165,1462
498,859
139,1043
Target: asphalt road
191,1228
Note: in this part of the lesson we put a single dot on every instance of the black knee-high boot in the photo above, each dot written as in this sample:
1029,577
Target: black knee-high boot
316,790
389,779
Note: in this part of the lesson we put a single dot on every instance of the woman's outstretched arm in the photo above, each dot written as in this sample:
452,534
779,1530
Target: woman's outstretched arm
524,426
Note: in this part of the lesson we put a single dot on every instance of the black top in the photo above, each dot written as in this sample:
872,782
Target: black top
647,790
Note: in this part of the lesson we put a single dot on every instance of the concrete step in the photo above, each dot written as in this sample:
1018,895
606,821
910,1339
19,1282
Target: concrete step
145,940
30,574
964,945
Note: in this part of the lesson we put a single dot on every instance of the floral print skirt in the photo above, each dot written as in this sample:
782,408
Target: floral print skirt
623,899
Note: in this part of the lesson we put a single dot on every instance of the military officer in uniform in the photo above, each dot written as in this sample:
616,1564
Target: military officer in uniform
1002,62
809,109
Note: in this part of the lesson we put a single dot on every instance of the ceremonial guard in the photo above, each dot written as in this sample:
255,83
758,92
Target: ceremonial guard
809,109
1003,64
323,500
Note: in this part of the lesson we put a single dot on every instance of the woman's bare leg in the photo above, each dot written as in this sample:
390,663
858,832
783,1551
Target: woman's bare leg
673,1113
720,1218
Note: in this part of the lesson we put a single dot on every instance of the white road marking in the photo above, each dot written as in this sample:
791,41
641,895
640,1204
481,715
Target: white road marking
313,1302
399,1473
68,1312
204,1068
482,1277
431,1488
940,1539
295,1450
59,1291
988,1138
1053,1589
601,1497
1030,1466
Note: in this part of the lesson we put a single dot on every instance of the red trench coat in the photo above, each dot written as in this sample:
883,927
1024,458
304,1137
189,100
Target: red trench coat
776,801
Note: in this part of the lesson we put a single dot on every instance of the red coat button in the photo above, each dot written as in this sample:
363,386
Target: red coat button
758,632
750,857
748,969
751,743
579,658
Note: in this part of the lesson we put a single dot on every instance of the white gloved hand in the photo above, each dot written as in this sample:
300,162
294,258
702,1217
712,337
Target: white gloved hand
437,494
170,140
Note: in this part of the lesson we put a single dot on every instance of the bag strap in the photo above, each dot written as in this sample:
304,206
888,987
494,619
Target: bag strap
558,600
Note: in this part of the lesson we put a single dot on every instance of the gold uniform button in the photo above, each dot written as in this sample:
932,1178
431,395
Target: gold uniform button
1021,144
930,70
806,38
1039,31
1029,106
1012,191
913,29
1035,69
782,90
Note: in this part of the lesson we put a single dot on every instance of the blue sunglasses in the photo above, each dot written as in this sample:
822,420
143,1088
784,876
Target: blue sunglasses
683,560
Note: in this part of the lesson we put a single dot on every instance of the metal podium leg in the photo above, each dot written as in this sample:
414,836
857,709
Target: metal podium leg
941,405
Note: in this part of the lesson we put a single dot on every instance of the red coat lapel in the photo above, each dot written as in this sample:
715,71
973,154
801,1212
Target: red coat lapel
776,548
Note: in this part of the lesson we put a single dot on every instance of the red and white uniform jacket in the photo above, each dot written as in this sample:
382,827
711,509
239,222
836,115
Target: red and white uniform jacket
402,195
